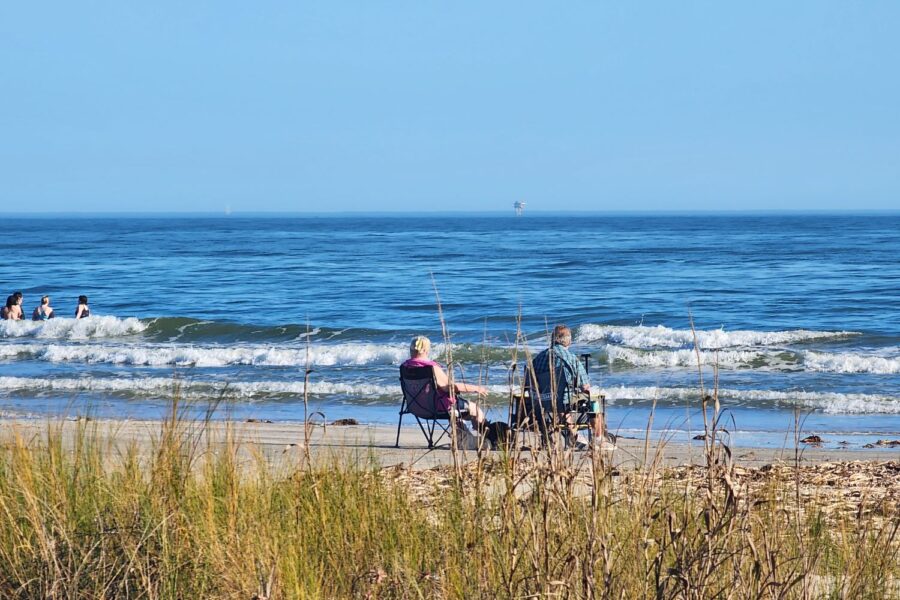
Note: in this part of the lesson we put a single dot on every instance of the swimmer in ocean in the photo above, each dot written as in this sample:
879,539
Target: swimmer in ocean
43,311
83,309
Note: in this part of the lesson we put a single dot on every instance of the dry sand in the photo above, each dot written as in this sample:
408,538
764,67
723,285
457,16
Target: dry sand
841,481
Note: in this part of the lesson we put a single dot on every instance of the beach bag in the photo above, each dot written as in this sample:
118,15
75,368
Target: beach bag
498,435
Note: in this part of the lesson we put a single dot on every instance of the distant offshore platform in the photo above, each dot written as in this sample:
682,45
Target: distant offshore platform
519,207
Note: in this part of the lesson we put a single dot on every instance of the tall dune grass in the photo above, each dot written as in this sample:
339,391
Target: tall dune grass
84,514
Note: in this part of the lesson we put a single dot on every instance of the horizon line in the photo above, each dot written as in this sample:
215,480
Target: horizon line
501,213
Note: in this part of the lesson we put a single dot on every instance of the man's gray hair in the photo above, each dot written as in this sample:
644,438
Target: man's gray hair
562,335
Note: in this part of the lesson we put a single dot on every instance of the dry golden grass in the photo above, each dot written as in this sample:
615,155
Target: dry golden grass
86,516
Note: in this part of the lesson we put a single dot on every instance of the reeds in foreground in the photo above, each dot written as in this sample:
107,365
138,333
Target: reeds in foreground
194,515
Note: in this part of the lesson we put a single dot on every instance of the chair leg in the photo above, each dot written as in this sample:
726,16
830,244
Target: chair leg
399,423
431,426
423,429
444,431
428,430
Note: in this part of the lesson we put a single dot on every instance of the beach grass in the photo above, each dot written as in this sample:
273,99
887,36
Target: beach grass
84,514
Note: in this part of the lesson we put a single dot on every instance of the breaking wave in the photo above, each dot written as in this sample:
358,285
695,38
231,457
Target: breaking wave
160,355
850,362
770,360
388,394
363,354
164,386
727,359
211,356
829,402
642,336
73,329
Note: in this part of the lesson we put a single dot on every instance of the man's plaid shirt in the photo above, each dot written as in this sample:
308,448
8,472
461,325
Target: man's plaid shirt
565,359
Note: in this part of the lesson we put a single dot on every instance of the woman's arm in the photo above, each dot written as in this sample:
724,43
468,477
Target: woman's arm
79,310
443,382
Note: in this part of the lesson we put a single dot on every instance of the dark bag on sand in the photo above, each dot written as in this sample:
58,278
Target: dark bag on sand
498,435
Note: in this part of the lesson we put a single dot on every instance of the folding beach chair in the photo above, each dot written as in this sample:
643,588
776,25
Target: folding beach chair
547,400
420,395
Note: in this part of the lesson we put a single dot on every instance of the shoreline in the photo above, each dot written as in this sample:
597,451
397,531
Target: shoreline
282,442
758,428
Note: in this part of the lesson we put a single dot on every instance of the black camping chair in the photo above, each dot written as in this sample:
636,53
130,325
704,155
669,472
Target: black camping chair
547,399
420,395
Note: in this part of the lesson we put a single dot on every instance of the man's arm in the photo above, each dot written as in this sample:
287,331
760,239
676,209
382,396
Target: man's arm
584,381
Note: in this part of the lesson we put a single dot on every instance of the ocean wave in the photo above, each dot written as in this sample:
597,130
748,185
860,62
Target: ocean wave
829,402
850,362
363,354
191,330
642,336
179,329
184,355
769,360
210,356
388,394
73,329
17,350
185,329
166,386
725,359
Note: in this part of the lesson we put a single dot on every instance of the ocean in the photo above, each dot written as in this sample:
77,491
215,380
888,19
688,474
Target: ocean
799,312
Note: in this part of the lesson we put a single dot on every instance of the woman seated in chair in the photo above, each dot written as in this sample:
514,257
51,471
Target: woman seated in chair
419,349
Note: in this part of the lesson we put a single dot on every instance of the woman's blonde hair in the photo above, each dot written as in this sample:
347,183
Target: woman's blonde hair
419,346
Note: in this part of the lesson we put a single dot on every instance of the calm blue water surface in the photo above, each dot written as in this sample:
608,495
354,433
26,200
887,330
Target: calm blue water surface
796,310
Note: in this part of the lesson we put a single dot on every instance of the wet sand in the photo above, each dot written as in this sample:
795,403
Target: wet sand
284,442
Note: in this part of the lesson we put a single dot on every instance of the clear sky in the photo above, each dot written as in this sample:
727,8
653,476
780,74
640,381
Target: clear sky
410,106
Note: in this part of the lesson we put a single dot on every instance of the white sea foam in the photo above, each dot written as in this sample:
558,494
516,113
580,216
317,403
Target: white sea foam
14,350
158,355
164,386
362,354
642,336
727,359
849,362
772,360
829,402
72,329
380,392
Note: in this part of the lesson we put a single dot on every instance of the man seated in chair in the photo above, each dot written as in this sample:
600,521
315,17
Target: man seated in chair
419,349
569,379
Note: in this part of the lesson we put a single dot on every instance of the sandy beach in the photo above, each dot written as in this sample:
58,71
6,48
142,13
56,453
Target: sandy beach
282,442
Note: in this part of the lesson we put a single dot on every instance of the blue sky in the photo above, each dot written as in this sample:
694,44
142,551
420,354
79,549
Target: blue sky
411,106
